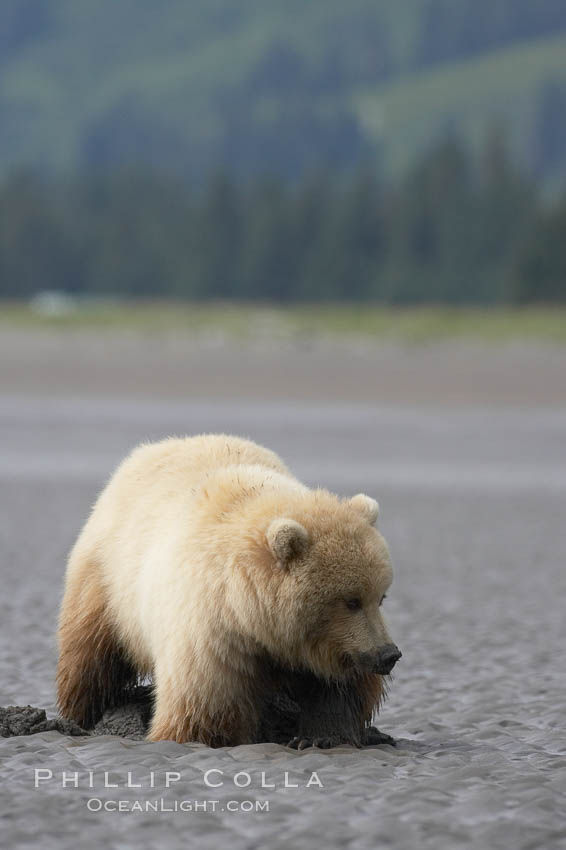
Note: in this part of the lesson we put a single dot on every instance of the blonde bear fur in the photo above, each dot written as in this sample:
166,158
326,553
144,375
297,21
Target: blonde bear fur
207,565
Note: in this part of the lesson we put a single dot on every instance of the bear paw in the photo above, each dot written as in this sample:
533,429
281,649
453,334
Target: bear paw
373,737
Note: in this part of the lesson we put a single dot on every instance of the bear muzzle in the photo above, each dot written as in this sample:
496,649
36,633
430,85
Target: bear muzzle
383,661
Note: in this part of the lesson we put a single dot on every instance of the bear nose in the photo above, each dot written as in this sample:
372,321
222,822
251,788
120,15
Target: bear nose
387,658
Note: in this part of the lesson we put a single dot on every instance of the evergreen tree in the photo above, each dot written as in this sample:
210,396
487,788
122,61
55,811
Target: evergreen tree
540,269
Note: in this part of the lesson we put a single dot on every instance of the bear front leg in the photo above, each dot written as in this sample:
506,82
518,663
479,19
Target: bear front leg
334,713
184,713
331,714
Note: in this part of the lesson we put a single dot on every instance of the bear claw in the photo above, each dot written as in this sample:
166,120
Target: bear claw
298,743
301,743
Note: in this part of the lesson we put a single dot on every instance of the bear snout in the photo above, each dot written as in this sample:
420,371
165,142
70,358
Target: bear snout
383,661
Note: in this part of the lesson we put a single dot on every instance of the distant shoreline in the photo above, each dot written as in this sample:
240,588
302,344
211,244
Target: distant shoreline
101,360
354,323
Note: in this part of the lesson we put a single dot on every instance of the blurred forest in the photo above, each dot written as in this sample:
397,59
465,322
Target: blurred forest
373,151
453,230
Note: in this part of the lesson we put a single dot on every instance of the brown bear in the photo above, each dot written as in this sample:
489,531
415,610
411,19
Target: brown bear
208,566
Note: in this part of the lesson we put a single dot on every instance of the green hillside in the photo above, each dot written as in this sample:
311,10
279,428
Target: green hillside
498,89
268,84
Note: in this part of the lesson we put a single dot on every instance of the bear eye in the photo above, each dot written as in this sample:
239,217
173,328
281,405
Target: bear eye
354,604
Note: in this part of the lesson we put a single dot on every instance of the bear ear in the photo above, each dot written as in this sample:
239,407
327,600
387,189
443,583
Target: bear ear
367,506
287,539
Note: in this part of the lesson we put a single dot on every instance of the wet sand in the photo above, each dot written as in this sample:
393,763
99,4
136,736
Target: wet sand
211,367
472,492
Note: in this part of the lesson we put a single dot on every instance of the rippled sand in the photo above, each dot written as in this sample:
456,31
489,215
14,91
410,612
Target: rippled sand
473,507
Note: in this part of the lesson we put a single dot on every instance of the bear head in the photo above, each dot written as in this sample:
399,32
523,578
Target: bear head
327,570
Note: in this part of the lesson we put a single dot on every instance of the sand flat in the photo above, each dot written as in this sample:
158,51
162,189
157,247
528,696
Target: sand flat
164,366
472,496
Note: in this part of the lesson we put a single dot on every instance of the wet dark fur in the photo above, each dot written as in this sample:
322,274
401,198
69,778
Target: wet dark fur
325,713
299,709
93,674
